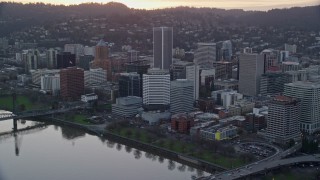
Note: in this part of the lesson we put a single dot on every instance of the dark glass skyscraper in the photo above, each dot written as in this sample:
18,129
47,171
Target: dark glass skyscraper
130,85
65,60
162,47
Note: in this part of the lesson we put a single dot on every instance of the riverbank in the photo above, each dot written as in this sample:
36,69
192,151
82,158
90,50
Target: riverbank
166,153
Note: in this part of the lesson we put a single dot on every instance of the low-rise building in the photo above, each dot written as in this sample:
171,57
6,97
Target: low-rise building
234,120
36,74
255,122
127,106
209,133
218,133
89,97
226,97
220,84
51,83
226,133
181,122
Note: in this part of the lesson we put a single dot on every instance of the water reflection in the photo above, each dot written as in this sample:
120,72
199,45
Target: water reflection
200,173
119,147
171,165
182,168
160,159
128,149
137,154
72,133
56,127
110,144
191,169
85,142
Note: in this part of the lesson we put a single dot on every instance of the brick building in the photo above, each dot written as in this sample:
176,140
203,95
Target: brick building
181,123
72,83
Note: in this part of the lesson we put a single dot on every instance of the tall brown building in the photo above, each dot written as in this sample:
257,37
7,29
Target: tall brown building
102,59
72,83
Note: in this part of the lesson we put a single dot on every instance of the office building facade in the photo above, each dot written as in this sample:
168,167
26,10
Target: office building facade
180,93
162,47
127,106
52,55
156,88
101,59
130,85
309,95
205,54
283,119
251,67
65,60
273,83
84,62
223,69
72,83
51,83
95,77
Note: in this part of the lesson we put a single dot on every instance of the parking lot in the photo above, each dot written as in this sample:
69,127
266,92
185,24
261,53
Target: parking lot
259,150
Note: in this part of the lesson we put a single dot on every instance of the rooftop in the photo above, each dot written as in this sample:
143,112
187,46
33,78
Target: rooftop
290,63
102,43
206,44
304,85
129,100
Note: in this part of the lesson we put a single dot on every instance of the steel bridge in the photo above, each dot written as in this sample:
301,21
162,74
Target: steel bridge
33,113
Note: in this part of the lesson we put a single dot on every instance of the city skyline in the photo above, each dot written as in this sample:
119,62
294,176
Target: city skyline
261,5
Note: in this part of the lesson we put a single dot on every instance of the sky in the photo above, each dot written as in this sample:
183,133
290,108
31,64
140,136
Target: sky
226,4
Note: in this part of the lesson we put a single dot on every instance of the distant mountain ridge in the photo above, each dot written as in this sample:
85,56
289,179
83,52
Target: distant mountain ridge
15,16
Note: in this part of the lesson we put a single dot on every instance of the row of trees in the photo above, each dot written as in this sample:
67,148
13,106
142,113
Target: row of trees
309,145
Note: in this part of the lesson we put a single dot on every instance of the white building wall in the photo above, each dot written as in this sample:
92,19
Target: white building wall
50,82
309,95
156,89
95,76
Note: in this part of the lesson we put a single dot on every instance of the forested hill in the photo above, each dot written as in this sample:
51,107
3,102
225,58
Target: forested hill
16,16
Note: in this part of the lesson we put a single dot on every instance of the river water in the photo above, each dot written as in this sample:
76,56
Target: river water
62,153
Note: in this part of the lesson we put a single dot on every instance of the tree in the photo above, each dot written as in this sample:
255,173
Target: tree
137,134
22,107
161,143
148,139
291,142
309,145
128,133
171,144
213,145
229,150
246,157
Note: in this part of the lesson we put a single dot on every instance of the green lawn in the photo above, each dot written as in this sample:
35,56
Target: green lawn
6,102
221,160
180,147
81,119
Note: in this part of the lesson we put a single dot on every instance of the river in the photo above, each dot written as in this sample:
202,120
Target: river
53,152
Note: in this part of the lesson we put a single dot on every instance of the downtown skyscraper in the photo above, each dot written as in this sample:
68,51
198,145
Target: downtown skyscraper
162,47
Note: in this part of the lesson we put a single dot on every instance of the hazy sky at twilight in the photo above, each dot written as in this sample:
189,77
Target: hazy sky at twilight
227,4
